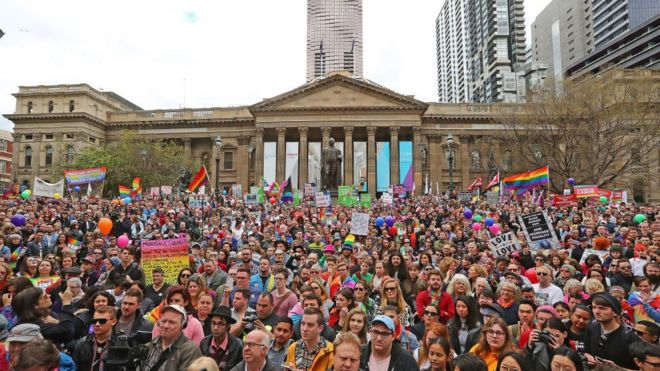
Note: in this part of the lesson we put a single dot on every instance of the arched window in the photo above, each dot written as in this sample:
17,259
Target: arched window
69,154
49,156
72,105
51,106
28,156
30,107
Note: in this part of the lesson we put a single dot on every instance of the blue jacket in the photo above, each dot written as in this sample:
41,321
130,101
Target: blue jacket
257,283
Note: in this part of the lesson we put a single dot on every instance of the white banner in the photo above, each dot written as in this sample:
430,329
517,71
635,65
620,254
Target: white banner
360,224
504,244
387,198
44,189
322,200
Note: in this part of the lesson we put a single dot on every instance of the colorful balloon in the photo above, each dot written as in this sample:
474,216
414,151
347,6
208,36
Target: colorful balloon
476,226
18,220
477,218
495,229
603,199
105,225
29,192
490,222
571,181
467,213
273,201
25,194
639,218
122,241
380,221
57,196
127,200
389,220
393,231
76,189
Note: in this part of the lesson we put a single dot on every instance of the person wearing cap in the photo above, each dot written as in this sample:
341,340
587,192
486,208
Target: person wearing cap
312,352
21,335
171,350
381,353
606,337
225,348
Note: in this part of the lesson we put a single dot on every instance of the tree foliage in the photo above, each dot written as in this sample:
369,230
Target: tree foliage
598,130
156,162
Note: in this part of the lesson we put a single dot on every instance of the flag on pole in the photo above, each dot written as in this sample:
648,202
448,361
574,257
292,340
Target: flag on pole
124,191
287,191
200,179
528,180
493,182
476,184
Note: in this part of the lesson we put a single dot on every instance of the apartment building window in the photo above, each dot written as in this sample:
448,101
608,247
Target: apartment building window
3,166
28,137
3,145
49,136
69,154
228,163
49,156
27,161
70,136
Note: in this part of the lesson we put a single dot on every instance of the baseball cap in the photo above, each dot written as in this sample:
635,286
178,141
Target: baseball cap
329,248
24,333
491,310
384,320
175,307
89,259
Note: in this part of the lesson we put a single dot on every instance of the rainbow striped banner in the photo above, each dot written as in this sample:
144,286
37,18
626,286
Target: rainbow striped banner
528,180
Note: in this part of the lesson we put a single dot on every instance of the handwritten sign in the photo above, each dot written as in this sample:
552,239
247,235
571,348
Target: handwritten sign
197,201
601,254
504,244
170,255
45,189
322,200
464,196
237,190
387,198
365,200
360,224
251,200
166,190
538,230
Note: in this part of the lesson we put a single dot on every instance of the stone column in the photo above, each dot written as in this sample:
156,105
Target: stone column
187,147
464,164
325,140
302,157
215,167
16,160
348,156
242,161
394,156
259,155
436,162
36,156
417,161
281,155
371,160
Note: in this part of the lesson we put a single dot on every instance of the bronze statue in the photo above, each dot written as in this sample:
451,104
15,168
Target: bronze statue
181,186
330,166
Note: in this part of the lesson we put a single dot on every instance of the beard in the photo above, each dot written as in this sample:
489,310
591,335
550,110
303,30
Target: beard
655,279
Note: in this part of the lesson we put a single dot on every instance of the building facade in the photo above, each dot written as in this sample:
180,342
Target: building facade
261,139
613,18
334,37
562,35
6,155
480,48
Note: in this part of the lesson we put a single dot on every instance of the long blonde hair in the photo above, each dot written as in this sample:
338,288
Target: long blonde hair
347,324
400,300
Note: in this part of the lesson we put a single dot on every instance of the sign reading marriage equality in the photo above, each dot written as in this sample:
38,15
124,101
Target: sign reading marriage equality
84,176
170,255
538,229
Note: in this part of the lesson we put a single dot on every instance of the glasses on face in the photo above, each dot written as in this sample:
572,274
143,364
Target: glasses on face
218,323
625,267
495,333
359,289
429,313
100,321
380,334
539,259
390,289
542,274
185,275
279,278
254,345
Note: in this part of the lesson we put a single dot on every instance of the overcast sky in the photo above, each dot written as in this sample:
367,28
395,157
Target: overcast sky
169,54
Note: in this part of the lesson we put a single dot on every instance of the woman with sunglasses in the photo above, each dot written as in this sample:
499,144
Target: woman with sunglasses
392,295
367,304
464,328
320,290
183,276
29,267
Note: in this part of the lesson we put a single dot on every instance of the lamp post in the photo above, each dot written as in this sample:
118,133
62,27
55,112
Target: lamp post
218,143
450,157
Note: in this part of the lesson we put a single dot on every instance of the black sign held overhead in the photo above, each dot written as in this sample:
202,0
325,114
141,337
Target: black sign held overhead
538,230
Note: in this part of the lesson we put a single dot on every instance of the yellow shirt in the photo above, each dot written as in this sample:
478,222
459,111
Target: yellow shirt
490,358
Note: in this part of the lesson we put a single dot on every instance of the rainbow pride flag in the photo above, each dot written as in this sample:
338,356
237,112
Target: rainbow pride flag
124,191
528,180
200,179
16,253
74,244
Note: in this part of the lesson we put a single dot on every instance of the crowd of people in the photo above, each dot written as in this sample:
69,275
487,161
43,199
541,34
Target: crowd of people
283,287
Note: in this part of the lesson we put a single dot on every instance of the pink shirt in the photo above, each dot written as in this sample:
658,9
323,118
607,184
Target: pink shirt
193,331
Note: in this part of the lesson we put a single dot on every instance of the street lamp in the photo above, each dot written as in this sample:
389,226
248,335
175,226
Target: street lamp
218,143
450,157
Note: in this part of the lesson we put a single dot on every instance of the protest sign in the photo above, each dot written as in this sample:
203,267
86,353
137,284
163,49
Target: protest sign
345,196
464,196
166,190
360,224
584,191
197,201
538,230
399,191
310,191
619,196
563,200
45,189
322,200
237,191
492,197
44,282
84,176
601,254
251,200
387,198
365,200
504,244
254,190
155,191
170,255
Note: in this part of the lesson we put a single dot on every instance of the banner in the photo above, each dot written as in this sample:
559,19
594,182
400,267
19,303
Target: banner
619,196
584,191
44,189
345,196
166,190
44,282
322,200
365,200
504,244
84,176
360,224
538,230
237,191
492,197
399,191
563,200
387,198
197,201
464,196
154,191
251,200
169,255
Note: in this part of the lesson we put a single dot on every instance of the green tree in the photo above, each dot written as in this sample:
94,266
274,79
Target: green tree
156,162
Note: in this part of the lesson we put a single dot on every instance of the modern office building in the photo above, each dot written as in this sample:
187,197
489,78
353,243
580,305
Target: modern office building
562,35
480,47
612,18
334,37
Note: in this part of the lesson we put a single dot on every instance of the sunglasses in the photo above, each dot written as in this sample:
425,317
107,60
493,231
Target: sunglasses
432,314
100,321
184,275
388,289
542,274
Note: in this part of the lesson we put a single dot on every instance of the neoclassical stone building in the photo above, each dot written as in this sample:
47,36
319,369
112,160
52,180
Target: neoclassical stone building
53,123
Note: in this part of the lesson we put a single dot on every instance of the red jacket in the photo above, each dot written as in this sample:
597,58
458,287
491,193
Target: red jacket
445,305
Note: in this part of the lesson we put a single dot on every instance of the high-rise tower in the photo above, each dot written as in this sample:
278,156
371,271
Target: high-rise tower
334,37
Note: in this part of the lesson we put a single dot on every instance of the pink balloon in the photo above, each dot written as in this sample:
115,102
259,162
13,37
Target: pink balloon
122,241
476,226
495,229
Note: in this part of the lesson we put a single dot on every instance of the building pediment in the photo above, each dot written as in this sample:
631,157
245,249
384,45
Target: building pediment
338,92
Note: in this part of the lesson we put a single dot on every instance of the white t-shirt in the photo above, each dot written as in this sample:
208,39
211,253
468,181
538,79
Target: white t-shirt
379,365
549,295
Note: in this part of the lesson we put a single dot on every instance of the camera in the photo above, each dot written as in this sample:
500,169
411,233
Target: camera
545,337
127,352
250,318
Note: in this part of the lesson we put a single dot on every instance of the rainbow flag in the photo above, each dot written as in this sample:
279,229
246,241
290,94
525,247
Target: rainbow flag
74,244
200,179
124,191
528,180
16,253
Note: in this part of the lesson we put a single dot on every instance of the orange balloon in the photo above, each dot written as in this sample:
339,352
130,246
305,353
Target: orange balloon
105,225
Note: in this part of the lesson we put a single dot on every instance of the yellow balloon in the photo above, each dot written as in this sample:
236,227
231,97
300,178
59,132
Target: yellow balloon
57,196
29,192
